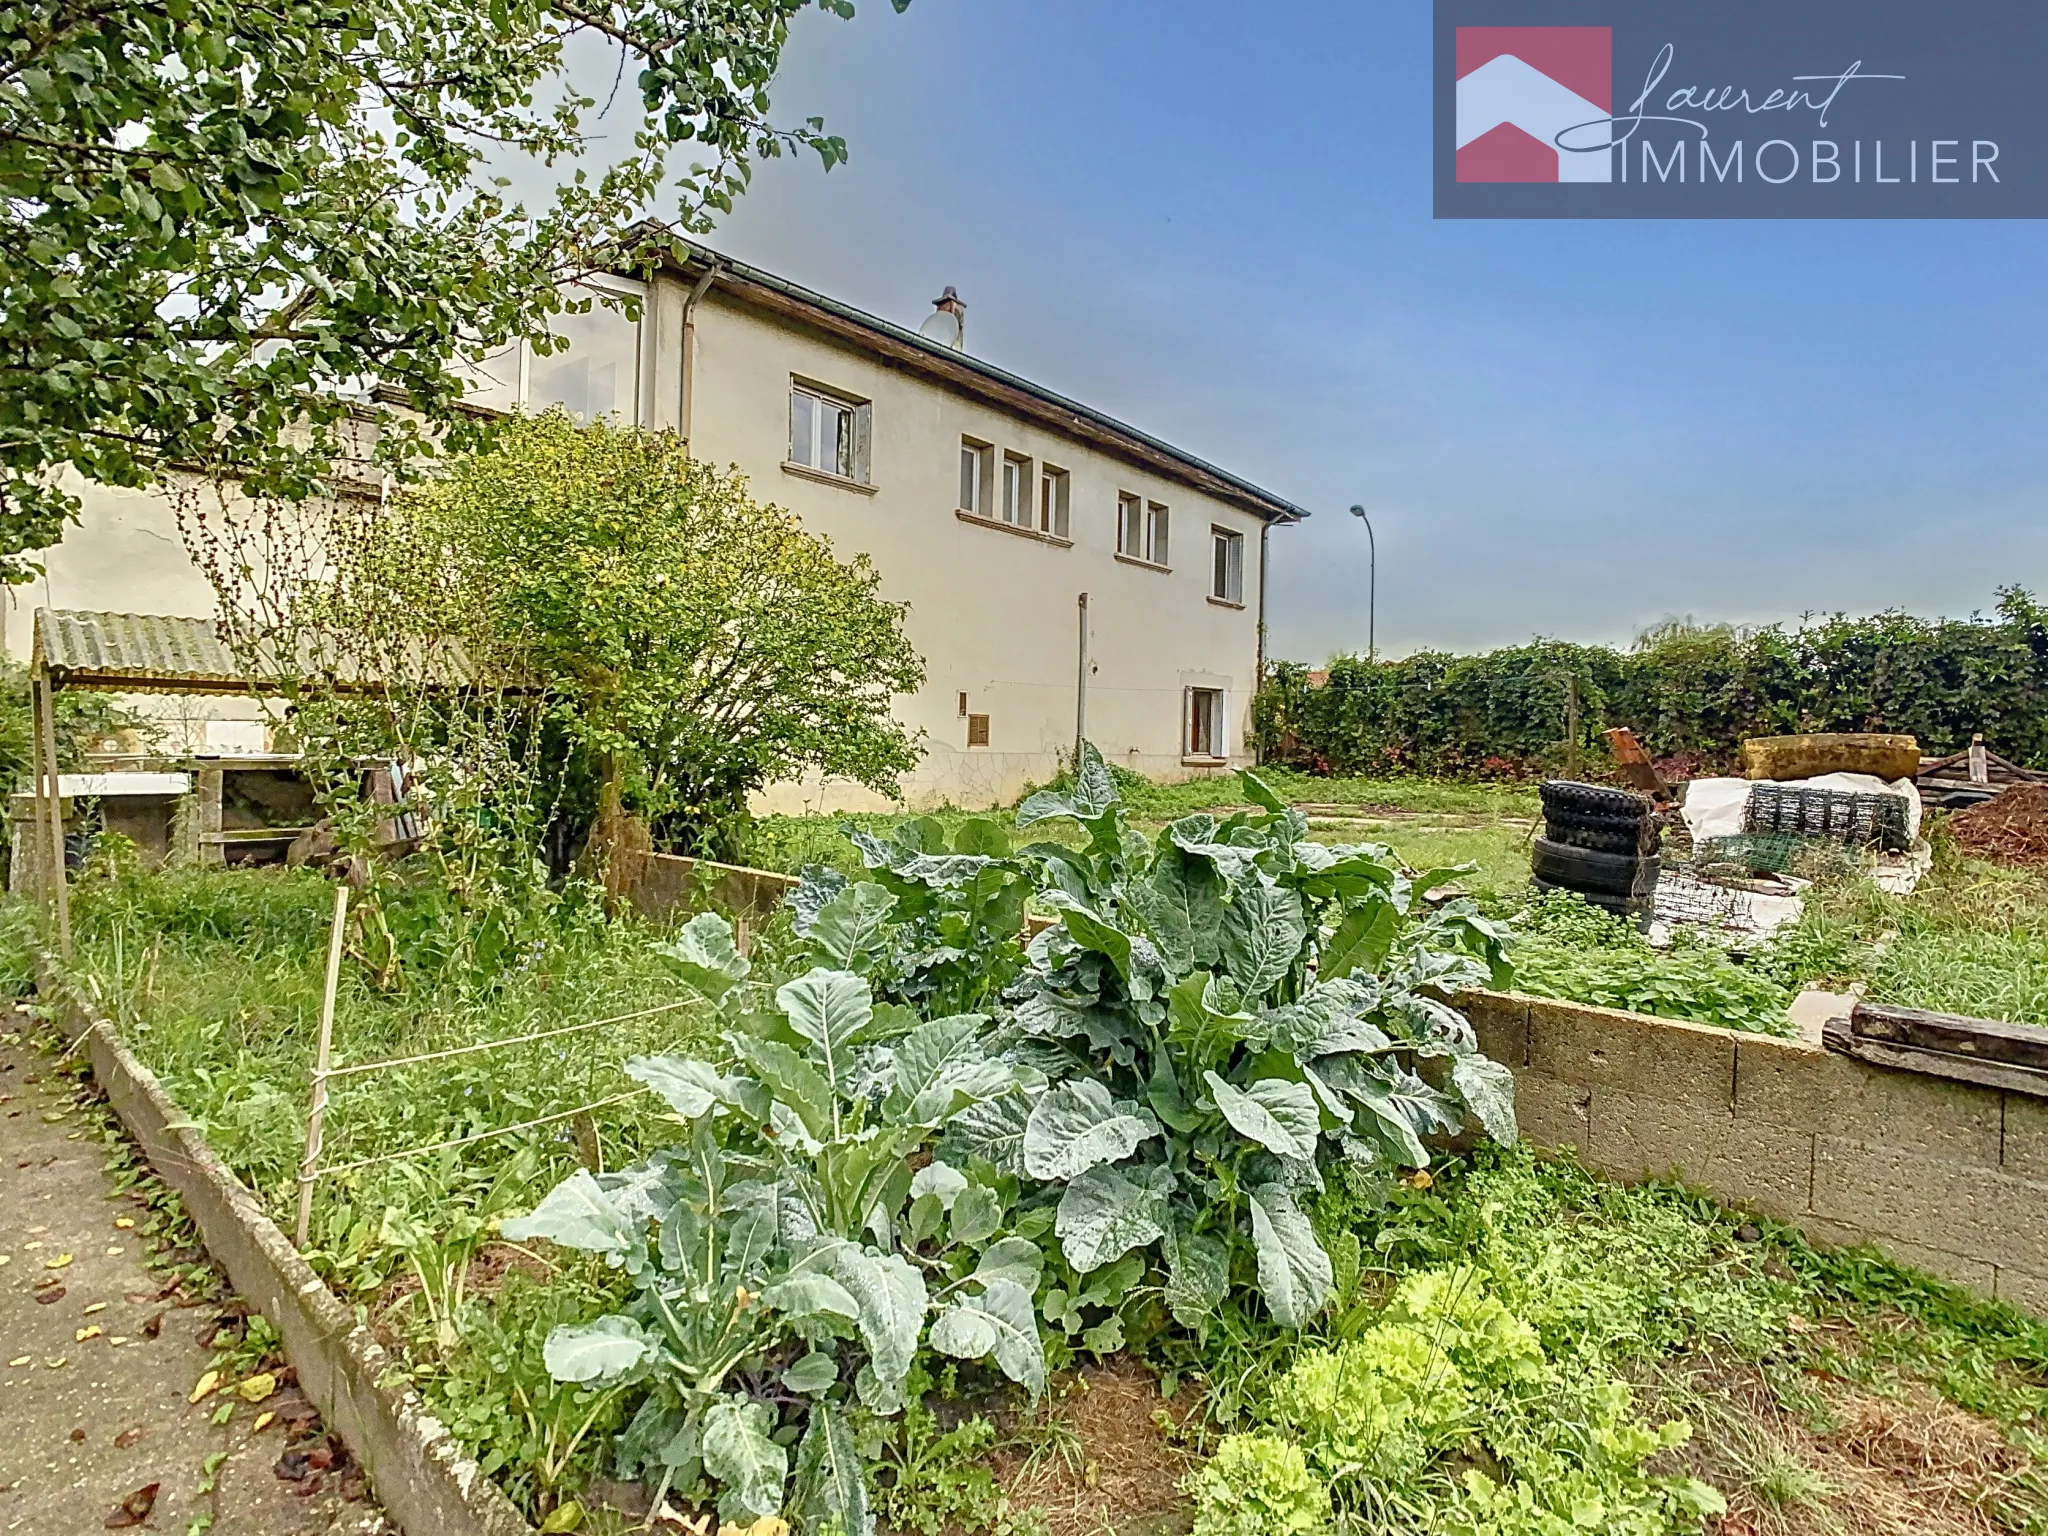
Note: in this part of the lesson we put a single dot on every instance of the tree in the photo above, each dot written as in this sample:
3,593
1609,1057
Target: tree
699,644
233,231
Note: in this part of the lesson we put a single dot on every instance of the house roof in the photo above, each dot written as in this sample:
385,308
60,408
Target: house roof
974,377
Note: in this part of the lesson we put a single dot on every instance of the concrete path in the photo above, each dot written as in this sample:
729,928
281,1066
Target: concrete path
99,1360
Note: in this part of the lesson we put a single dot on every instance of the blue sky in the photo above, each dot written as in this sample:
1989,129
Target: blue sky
1213,220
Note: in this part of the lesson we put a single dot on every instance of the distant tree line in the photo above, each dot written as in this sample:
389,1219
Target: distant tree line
1691,693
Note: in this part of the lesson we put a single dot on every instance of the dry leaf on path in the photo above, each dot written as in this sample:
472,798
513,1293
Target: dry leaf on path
134,1509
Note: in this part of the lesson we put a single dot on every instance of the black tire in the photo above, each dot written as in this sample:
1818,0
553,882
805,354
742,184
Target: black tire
1588,869
1608,834
1592,800
1635,908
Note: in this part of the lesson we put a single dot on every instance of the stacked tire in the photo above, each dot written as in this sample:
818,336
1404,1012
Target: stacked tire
1601,843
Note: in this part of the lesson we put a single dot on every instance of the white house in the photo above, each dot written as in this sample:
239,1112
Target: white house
1009,519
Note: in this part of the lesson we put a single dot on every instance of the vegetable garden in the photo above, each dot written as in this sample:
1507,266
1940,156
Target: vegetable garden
884,1192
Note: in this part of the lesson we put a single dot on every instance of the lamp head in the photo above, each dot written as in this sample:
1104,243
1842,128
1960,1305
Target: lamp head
1357,510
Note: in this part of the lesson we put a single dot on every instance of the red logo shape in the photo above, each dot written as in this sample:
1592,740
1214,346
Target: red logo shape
1519,88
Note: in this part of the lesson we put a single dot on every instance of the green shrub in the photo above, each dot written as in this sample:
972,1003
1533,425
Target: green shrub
1257,1485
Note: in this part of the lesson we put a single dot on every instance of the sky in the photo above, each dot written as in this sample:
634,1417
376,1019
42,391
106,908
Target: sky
1213,221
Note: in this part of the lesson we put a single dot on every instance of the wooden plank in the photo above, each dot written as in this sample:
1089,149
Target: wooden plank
1837,1036
2019,1045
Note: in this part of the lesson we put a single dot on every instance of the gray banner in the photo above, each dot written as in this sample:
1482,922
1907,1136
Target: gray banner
1741,109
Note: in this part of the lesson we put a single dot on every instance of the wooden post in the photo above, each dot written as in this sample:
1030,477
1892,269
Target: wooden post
317,1110
59,887
1980,767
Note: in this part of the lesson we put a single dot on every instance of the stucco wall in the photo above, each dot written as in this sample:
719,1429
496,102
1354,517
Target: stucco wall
993,613
1946,1176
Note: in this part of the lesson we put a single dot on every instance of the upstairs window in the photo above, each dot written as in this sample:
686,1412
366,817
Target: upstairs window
596,375
977,469
1141,528
1226,578
1017,490
828,433
1052,501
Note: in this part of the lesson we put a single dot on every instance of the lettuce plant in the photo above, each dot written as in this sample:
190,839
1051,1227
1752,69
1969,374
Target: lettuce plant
1222,1010
786,1259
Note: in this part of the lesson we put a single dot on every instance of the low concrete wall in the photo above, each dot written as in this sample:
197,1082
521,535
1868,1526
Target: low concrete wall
1949,1177
418,1472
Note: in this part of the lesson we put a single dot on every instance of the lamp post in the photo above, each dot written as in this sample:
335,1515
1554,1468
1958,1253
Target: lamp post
1372,581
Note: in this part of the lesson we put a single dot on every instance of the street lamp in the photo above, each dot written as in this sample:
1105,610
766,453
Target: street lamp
1372,581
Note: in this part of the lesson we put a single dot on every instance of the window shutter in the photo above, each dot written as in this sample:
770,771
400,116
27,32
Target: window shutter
1187,722
863,443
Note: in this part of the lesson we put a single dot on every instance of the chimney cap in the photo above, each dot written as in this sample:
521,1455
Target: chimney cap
950,296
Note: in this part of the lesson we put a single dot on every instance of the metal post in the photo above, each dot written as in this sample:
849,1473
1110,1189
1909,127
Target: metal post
53,808
1081,688
316,1113
1372,584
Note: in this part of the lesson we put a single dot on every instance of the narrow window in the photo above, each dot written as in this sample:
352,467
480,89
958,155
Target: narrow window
1130,525
829,434
1205,722
1155,534
976,466
1227,574
977,730
1016,490
1052,501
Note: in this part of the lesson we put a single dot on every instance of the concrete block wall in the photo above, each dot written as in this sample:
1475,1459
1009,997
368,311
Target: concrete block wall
1948,1177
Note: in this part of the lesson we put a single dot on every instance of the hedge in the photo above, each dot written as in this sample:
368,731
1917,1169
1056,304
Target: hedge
1691,695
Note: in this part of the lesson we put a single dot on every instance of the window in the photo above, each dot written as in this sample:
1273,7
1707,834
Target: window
977,730
828,434
977,468
596,375
1226,581
1052,501
1016,490
1141,529
1205,723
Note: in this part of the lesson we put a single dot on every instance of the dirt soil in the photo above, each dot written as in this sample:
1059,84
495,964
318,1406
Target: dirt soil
99,1356
2011,828
1852,1464
1107,1464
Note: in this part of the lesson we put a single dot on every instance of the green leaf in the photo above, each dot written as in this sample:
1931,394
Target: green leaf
1076,1126
1279,1115
1001,1322
690,1087
1488,1089
812,1374
1104,1214
1263,933
1011,1258
832,1010
810,1294
605,1351
890,1298
1361,941
1181,903
992,1131
1091,796
850,931
983,836
1197,1278
740,1451
1256,791
941,1067
797,1085
576,1214
976,1214
1096,933
706,955
831,1481
939,1178
1294,1272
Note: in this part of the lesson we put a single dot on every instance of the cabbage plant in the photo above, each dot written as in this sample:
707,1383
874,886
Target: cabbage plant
787,1259
1223,1011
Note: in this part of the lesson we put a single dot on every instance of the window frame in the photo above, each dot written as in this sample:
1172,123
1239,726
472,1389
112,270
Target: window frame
983,456
1226,566
522,355
1055,500
1204,713
859,415
1014,506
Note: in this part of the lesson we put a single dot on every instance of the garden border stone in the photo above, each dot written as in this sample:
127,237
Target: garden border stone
418,1472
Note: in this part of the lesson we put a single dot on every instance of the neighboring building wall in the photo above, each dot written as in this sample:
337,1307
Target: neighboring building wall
994,612
1946,1176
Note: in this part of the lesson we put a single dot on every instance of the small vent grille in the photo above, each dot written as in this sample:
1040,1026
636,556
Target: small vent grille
977,730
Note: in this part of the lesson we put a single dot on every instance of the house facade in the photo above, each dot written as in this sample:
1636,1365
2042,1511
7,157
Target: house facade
1058,566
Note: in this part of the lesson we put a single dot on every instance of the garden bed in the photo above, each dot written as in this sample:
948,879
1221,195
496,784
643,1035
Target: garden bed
215,979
